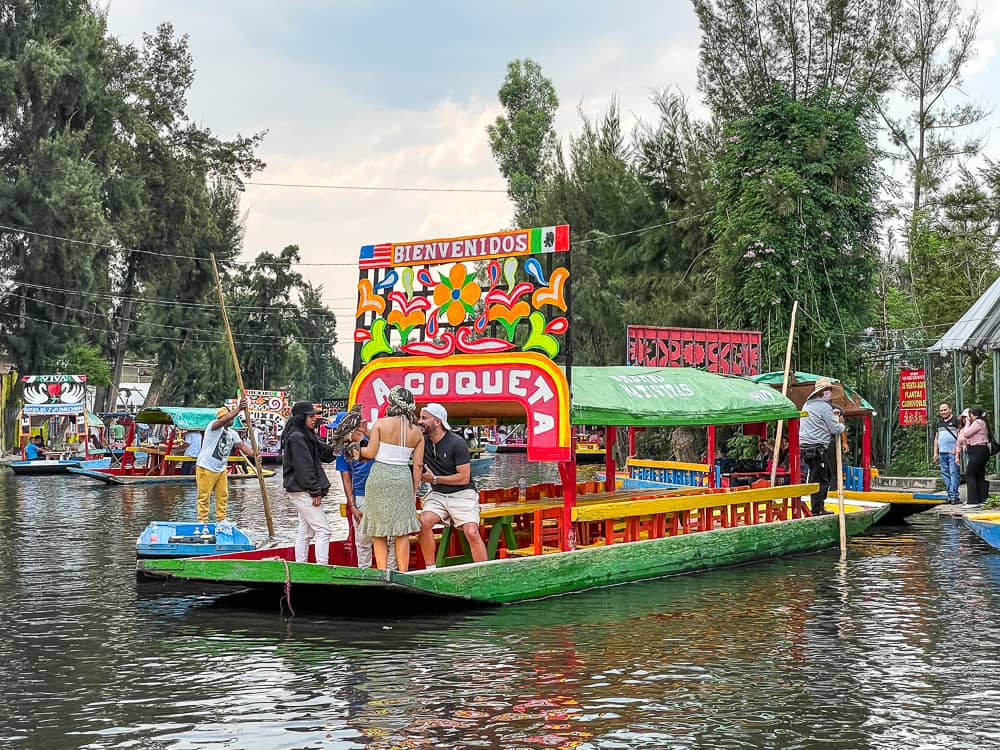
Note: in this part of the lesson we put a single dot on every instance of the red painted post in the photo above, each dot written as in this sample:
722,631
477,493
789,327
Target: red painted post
567,472
710,455
794,459
866,454
610,437
631,441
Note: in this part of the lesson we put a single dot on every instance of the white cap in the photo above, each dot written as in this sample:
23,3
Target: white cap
440,412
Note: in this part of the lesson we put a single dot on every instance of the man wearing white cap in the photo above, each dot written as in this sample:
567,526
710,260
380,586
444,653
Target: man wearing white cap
816,432
453,496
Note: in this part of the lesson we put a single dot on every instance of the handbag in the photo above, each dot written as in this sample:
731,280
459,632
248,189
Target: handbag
994,445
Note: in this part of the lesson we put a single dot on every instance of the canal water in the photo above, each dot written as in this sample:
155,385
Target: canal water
897,648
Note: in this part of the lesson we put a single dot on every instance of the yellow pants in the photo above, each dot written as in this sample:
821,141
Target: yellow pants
209,481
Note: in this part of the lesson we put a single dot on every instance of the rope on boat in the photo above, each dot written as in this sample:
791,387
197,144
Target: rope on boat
287,597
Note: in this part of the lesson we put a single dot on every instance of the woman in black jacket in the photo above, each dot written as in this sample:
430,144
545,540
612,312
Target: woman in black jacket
305,481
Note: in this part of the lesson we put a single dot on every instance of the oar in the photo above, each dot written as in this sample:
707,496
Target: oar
776,453
246,405
840,501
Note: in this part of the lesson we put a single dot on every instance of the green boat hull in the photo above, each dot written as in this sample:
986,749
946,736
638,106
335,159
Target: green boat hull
517,579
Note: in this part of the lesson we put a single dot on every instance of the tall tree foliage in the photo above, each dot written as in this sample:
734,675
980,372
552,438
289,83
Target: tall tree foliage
839,47
58,159
932,49
182,221
795,219
285,335
638,229
522,139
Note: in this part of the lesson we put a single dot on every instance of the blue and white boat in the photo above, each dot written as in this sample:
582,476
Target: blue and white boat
56,466
181,539
986,526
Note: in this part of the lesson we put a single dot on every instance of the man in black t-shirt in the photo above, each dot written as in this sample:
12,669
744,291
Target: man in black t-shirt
453,496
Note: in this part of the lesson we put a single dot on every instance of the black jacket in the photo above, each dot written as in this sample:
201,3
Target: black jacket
302,462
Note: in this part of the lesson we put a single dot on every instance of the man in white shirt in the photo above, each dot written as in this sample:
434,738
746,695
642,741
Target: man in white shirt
213,459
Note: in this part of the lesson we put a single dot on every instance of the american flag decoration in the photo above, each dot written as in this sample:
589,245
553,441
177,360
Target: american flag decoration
375,256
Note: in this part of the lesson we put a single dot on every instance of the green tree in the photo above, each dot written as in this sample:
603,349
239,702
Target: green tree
58,153
636,237
795,220
933,46
753,49
190,182
80,359
523,140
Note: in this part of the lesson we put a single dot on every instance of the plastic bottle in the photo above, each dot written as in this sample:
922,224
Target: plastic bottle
522,486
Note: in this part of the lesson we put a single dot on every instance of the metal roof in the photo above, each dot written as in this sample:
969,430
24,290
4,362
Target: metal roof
978,329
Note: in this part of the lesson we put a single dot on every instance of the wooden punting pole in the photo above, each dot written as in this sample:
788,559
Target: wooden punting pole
840,501
246,406
784,392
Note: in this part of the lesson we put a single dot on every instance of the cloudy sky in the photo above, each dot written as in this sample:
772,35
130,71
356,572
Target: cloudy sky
370,93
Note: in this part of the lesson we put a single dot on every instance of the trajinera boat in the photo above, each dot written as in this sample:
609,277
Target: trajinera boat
504,351
158,464
986,526
56,405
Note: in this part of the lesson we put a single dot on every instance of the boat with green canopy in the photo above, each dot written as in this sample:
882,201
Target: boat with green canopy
158,462
510,358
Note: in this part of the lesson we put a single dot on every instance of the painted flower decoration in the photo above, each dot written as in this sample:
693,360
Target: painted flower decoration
456,294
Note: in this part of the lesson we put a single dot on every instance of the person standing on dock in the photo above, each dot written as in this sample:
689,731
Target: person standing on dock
306,482
211,468
453,496
975,439
944,450
817,430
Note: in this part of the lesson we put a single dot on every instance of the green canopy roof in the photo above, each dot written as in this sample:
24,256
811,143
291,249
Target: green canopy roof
182,417
650,396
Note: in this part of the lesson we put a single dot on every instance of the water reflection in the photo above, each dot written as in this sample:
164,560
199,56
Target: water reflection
897,648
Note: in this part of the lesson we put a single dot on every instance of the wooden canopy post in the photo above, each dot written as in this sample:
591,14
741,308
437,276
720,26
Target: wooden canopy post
567,473
784,392
610,438
710,454
631,442
246,406
794,459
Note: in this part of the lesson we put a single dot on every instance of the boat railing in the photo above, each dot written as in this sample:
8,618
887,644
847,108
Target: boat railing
679,473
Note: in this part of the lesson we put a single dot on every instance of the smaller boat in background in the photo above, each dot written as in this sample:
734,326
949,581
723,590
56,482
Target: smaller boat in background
168,539
986,526
56,466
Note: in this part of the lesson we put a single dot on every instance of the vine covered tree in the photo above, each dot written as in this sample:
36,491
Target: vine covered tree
795,219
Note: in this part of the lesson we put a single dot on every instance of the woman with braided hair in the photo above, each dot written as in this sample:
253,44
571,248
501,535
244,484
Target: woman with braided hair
391,491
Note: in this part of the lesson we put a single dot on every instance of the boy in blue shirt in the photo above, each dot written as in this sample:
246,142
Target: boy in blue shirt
354,475
33,450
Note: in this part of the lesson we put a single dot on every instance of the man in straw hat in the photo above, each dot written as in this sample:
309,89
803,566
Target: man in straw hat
817,431
213,460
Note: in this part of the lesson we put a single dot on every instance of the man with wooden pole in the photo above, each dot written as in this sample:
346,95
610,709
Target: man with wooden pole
245,404
817,430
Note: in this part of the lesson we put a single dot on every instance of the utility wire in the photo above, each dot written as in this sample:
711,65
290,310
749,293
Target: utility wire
380,188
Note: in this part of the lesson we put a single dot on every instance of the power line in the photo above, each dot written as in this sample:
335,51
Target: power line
323,311
138,321
379,188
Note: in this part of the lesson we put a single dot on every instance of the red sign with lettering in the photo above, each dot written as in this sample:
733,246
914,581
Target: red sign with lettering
725,352
912,398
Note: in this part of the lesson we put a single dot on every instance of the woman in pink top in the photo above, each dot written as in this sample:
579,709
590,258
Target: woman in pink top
974,438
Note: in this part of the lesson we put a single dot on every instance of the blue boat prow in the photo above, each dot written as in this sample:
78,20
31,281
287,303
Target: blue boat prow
175,539
986,526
